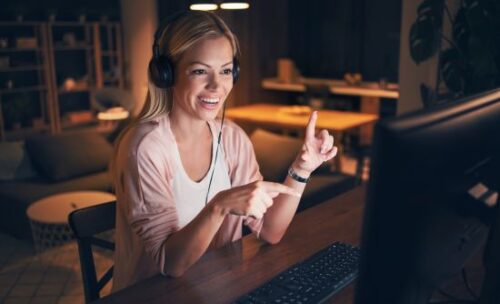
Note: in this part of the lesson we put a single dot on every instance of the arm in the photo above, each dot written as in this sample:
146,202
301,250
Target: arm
315,151
153,216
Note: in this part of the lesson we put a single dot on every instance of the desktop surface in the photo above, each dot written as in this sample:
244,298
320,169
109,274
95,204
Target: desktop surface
225,274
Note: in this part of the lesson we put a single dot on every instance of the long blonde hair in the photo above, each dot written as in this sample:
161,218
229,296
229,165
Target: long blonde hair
178,36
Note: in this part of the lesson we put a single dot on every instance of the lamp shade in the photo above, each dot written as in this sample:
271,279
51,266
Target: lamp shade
203,5
234,5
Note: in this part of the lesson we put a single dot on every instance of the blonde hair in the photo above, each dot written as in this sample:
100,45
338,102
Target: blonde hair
178,36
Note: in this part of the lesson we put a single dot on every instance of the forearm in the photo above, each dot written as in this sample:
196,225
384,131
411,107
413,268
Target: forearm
280,214
184,247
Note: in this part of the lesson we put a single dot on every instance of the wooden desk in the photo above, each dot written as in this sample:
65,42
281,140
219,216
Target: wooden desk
278,116
369,92
223,275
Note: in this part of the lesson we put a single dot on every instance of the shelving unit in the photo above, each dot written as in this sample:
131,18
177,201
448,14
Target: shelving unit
57,67
25,97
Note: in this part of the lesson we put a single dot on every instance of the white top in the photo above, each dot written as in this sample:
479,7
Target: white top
55,209
189,196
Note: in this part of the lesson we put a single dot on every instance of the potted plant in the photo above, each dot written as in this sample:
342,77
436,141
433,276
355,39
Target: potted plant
469,57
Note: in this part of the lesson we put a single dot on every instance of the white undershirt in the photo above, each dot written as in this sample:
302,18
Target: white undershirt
189,196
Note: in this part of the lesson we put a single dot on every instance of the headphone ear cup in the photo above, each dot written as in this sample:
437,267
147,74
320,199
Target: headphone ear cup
236,69
161,72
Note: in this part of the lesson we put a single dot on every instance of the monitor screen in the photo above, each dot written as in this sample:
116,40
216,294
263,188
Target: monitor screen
427,210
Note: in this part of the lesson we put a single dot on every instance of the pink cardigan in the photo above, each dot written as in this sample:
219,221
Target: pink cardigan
146,214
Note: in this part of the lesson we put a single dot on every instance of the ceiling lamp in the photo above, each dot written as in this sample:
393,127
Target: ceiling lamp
203,6
234,5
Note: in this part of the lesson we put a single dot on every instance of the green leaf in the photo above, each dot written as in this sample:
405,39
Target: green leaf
424,39
424,33
461,31
453,70
432,9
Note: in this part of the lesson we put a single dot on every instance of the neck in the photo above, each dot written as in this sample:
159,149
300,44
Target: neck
186,130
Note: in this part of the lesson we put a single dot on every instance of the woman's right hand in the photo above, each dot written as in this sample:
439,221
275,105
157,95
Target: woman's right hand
252,199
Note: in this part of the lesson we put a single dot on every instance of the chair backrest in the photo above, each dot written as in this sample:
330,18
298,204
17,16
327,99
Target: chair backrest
275,153
86,223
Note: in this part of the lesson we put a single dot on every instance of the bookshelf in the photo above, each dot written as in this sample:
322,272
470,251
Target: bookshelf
49,72
25,95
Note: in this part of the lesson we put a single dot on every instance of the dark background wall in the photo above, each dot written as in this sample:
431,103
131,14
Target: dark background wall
326,38
63,9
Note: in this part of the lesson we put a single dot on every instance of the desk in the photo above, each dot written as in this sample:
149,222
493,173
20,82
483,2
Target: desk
277,116
370,93
223,275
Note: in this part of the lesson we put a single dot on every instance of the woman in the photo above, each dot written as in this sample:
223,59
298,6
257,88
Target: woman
179,192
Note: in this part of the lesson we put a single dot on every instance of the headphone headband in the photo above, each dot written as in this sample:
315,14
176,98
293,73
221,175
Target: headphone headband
161,68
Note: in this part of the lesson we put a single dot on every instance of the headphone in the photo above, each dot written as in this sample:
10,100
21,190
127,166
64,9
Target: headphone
161,68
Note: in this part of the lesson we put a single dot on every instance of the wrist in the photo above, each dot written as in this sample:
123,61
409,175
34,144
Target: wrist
217,207
301,176
299,171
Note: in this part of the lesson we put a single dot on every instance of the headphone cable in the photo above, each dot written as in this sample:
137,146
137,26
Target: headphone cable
216,151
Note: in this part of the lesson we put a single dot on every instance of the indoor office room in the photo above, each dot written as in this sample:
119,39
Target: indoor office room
371,123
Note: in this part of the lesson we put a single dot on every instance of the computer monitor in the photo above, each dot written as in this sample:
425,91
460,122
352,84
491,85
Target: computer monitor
426,211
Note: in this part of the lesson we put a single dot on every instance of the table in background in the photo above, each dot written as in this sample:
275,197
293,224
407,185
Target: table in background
224,274
283,117
49,215
370,94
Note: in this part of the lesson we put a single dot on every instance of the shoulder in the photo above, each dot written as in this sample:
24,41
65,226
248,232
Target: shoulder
147,138
232,133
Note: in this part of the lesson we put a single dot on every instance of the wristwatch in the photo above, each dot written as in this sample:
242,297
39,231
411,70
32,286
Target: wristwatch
297,177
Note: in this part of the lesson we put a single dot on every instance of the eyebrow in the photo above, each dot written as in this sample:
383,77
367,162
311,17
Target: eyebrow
199,62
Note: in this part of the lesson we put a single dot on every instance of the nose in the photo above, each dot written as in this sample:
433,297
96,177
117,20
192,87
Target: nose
214,81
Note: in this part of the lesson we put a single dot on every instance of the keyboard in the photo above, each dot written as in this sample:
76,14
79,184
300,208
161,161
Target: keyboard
313,280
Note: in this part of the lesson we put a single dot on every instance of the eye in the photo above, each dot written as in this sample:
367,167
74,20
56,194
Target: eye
199,72
227,71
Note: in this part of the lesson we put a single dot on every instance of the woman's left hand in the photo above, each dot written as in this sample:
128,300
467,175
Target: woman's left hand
315,150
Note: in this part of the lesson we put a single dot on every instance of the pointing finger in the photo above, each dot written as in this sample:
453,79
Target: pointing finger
274,189
311,125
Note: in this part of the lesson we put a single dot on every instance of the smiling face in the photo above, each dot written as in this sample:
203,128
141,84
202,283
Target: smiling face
203,79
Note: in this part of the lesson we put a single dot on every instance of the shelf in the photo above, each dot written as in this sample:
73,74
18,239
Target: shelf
77,90
72,48
109,53
22,89
12,50
21,68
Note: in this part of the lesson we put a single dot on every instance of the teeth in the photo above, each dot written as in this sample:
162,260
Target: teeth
210,100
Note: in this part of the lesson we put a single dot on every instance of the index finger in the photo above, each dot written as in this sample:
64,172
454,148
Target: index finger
311,125
271,187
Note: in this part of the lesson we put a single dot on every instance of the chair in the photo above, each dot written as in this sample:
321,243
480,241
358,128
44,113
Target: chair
86,223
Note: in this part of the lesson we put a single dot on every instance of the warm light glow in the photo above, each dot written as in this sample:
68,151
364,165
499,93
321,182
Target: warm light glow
234,5
116,113
203,7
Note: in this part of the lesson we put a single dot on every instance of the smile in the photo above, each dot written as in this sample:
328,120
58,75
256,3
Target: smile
209,100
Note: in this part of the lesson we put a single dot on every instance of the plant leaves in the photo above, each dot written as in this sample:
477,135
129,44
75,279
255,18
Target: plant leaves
424,33
424,39
432,9
461,32
453,70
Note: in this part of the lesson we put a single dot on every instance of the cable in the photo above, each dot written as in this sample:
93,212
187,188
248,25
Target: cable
216,151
